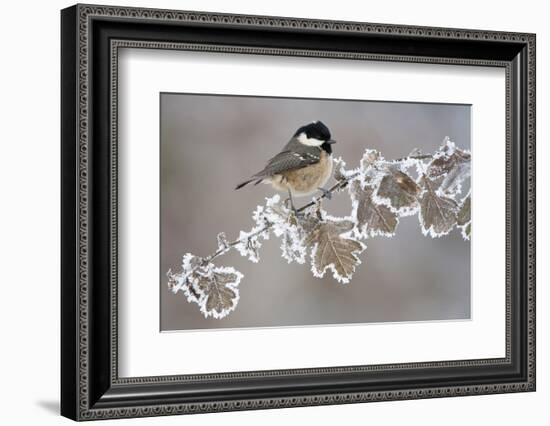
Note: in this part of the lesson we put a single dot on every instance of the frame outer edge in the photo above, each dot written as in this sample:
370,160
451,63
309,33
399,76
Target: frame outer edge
80,318
531,201
69,189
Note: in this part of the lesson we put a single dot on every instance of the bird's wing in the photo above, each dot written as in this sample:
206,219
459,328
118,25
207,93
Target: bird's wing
290,160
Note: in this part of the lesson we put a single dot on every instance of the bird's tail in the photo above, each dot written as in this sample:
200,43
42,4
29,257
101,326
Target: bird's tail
246,182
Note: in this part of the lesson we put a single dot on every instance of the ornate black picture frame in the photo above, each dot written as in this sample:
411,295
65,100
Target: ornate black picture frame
90,38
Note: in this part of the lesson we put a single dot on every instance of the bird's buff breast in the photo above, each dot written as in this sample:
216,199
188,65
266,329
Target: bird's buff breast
307,180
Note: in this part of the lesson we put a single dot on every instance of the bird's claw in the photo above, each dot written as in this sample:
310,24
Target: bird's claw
297,213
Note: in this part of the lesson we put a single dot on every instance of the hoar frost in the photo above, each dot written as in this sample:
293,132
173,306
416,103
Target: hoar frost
381,193
213,288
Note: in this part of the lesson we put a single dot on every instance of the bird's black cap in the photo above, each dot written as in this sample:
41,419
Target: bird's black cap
316,130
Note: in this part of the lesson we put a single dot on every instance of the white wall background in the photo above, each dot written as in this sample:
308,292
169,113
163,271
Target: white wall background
29,211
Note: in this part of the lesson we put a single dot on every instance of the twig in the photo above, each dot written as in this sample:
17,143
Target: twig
221,251
413,157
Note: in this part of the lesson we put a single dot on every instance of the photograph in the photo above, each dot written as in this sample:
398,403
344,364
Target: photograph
279,212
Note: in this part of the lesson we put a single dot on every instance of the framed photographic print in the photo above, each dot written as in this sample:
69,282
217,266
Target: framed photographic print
263,212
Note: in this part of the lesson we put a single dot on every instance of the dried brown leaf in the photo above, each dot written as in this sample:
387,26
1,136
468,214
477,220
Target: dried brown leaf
467,231
330,250
217,287
339,169
452,165
463,216
444,164
399,191
372,219
437,213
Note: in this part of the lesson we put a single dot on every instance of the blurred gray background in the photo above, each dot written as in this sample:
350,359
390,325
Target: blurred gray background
210,143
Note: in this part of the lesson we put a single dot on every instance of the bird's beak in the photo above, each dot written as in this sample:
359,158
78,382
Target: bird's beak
331,141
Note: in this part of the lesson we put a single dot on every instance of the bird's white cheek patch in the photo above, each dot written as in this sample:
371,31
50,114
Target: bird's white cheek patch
302,138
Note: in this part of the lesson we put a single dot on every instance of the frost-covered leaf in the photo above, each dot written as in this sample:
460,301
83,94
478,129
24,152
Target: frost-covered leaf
293,238
398,191
466,231
370,158
329,249
265,217
273,215
173,281
372,167
463,218
211,287
452,165
437,212
293,247
372,219
218,290
339,169
446,158
311,219
284,224
342,175
452,182
179,281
